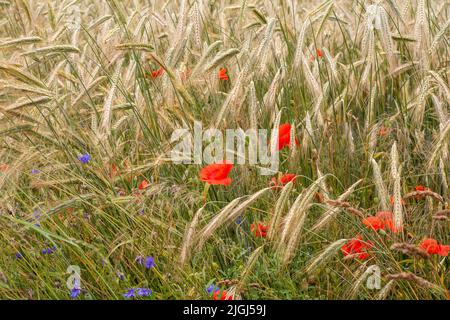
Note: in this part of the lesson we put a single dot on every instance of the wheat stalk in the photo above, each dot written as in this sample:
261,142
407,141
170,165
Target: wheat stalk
383,293
380,186
324,256
279,207
249,267
230,212
294,220
107,107
395,174
189,236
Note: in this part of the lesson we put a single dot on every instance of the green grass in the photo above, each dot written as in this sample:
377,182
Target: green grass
54,107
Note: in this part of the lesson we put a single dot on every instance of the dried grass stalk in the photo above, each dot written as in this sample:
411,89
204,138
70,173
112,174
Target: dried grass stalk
411,277
411,250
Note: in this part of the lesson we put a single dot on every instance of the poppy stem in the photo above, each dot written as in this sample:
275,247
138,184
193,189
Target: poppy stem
205,192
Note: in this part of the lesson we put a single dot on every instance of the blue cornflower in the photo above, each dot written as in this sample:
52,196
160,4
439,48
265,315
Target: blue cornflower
129,294
49,250
120,275
212,288
76,290
85,158
35,171
149,262
19,255
144,292
239,221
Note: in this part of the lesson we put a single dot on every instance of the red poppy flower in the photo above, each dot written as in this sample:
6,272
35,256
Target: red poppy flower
217,173
383,131
223,74
386,218
288,177
222,295
421,188
157,73
261,230
284,136
432,247
144,184
381,221
356,247
319,54
283,180
374,223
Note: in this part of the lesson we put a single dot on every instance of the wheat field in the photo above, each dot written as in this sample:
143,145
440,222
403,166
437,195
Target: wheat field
93,207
